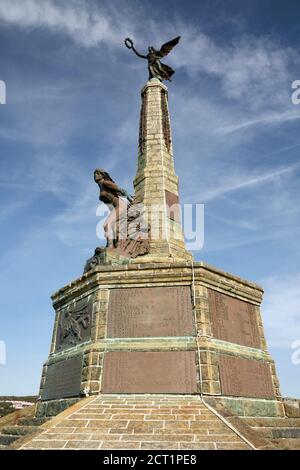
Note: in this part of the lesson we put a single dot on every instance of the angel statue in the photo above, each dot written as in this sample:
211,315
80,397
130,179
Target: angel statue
155,67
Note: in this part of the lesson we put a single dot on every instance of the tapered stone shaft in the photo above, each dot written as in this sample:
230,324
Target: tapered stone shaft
156,184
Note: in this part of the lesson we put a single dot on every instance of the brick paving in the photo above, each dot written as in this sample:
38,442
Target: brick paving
139,422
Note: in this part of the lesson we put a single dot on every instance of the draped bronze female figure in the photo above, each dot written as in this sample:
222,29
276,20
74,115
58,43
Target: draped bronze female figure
112,195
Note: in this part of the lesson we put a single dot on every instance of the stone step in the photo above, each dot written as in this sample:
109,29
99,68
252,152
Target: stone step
272,422
18,430
6,439
32,421
278,433
287,444
266,432
286,433
138,422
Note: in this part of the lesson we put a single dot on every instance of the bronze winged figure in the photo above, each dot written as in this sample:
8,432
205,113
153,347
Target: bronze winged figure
155,67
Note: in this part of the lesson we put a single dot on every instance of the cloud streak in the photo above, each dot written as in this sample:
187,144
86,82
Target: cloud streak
85,24
239,182
251,69
274,118
254,73
281,311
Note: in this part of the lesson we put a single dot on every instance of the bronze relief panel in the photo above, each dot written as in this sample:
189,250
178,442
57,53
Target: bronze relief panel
63,379
149,372
150,312
242,377
233,320
74,324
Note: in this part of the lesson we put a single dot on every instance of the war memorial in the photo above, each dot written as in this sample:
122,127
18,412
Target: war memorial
151,349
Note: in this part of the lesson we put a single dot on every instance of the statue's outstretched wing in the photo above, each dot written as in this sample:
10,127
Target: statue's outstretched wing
168,46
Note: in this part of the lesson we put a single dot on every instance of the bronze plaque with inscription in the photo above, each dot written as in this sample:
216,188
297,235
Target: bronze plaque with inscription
245,377
63,379
173,206
233,320
74,326
150,311
149,372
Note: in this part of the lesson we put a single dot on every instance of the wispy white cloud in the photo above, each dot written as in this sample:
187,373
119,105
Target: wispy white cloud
252,69
254,72
39,114
273,118
248,225
246,67
281,309
9,208
250,88
86,24
239,181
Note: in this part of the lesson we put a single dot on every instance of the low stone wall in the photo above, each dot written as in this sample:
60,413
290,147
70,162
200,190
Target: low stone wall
249,407
54,407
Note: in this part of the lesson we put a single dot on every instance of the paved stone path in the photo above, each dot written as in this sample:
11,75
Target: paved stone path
139,422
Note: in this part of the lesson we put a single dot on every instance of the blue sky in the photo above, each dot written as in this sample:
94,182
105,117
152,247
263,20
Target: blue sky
73,99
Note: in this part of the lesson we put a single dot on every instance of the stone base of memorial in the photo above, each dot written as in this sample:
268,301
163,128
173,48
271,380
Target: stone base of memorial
160,328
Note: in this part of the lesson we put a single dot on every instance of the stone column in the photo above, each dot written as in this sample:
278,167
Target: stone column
156,184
